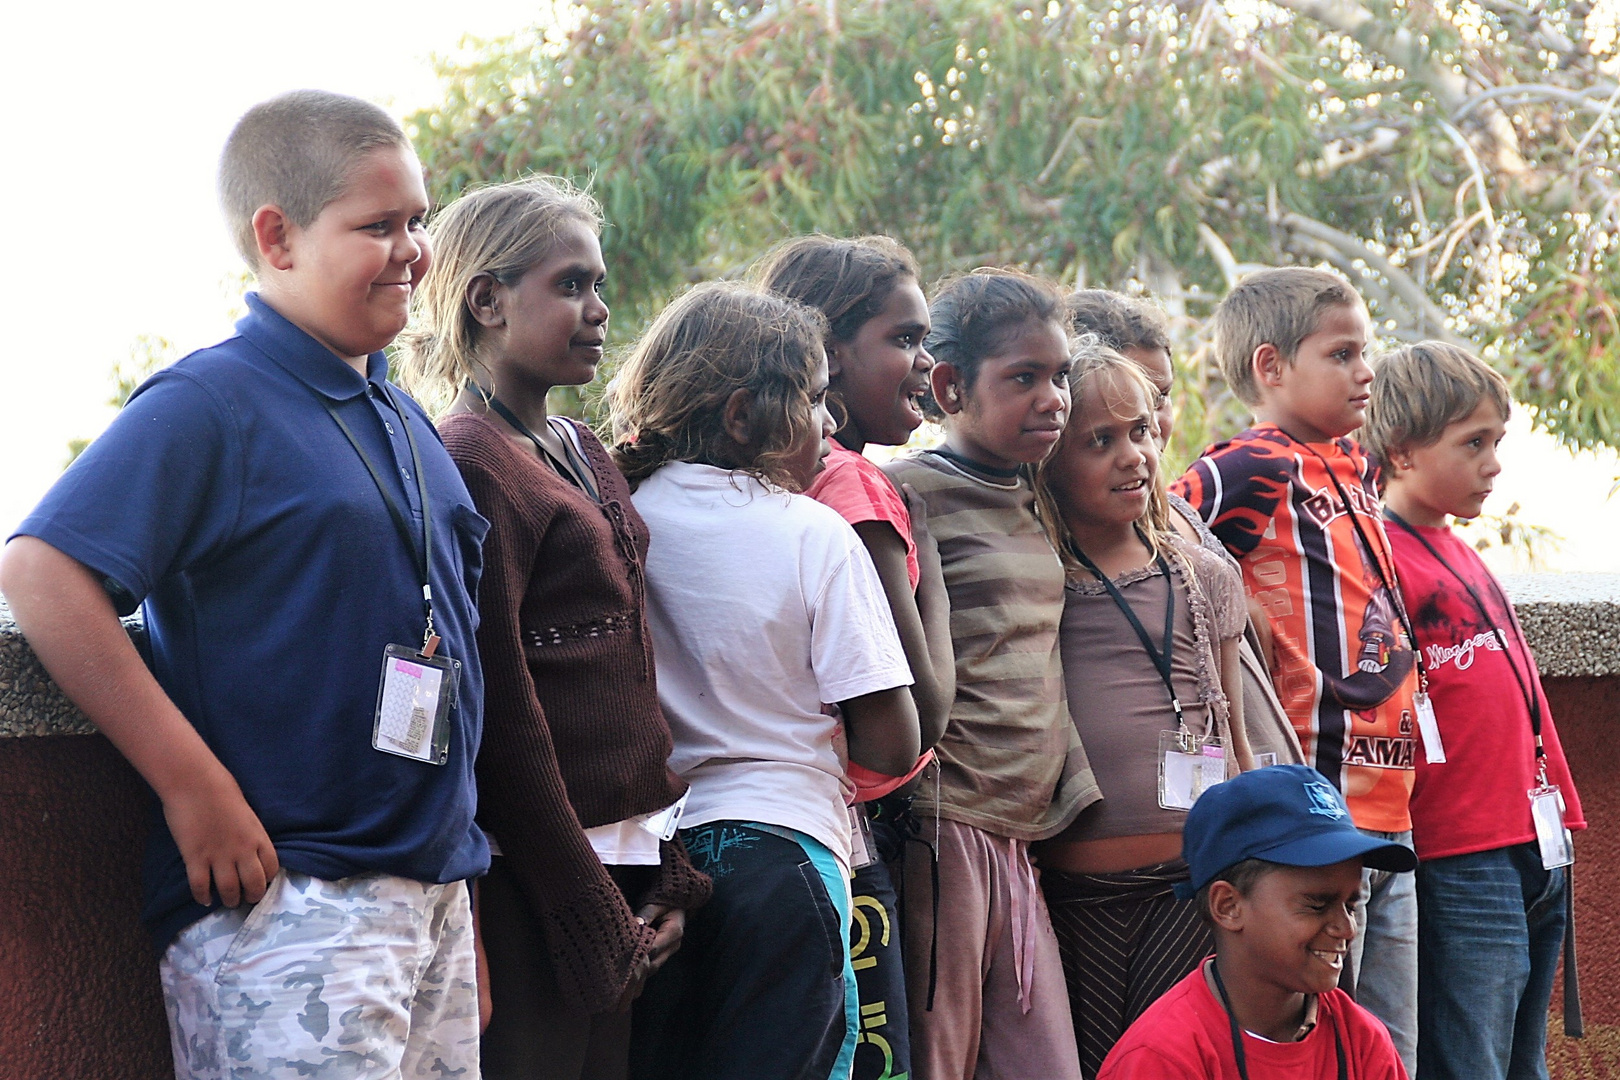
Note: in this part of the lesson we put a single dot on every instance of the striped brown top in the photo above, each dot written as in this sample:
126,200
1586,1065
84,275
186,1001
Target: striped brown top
1010,762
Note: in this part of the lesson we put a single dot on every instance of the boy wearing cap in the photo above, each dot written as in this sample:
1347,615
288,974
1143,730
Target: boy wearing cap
1276,865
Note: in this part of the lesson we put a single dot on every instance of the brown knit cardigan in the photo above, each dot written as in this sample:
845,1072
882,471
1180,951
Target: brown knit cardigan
573,733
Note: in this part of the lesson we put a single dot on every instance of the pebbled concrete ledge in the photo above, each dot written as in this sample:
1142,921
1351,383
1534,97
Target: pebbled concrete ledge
30,703
1572,621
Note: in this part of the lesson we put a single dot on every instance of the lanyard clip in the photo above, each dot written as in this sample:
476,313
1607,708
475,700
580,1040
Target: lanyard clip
430,640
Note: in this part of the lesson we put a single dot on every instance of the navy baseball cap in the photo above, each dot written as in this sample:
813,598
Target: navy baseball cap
1287,814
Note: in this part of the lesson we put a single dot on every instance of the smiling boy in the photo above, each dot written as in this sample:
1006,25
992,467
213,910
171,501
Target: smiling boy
1276,868
1294,501
304,554
1493,909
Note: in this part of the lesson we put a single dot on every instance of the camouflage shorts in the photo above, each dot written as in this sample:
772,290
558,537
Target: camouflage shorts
369,977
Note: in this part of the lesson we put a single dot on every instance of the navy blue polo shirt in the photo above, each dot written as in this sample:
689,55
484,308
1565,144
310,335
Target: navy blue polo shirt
228,504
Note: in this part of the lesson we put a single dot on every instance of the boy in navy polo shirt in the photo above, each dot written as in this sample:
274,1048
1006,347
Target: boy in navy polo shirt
305,557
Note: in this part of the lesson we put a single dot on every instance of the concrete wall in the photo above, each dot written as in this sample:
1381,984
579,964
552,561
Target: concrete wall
1573,623
81,991
1588,714
80,979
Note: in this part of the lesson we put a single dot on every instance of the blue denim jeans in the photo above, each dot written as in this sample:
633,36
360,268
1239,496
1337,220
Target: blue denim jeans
1385,953
1490,929
761,986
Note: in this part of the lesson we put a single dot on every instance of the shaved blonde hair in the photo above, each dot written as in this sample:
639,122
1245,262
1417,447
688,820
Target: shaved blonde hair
1280,307
296,151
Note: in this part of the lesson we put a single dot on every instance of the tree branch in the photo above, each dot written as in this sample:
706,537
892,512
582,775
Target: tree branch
1431,321
1346,151
1608,108
1510,95
1219,252
1449,87
1368,284
1495,232
1063,144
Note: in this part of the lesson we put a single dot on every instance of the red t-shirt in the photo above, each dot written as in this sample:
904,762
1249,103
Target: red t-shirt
859,491
1477,800
1186,1035
1345,671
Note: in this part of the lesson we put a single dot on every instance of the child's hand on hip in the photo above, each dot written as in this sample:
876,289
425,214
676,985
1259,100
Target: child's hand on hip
222,842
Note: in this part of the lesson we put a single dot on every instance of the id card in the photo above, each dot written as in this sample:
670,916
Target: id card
860,839
1188,766
1547,810
663,823
1264,761
1428,728
413,705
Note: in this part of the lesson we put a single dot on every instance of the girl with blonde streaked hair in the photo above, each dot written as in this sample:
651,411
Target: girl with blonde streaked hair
1149,639
590,889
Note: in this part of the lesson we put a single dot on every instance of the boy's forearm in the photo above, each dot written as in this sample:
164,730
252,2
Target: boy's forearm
1232,686
934,608
71,625
922,621
882,730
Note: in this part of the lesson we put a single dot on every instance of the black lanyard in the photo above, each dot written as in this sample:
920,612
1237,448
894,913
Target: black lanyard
575,472
1237,1033
1161,660
1378,562
1532,701
423,554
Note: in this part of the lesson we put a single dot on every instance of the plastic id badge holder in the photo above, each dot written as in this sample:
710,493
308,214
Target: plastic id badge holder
1188,766
1434,751
664,823
862,847
413,705
1547,810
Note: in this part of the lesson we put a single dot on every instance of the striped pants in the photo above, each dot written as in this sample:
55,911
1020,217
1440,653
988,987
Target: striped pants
1125,939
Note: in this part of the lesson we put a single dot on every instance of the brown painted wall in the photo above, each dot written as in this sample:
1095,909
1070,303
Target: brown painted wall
1588,716
80,979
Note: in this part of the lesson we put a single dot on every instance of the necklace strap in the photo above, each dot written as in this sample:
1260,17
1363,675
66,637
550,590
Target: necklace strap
1237,1032
423,555
1379,556
571,468
1161,658
1532,701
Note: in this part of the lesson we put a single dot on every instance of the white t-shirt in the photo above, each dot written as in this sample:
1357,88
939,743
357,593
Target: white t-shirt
624,843
763,606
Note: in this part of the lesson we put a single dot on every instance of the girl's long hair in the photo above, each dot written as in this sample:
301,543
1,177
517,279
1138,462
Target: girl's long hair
501,230
667,402
1094,360
849,281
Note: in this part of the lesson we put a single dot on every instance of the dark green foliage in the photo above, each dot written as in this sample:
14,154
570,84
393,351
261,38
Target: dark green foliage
1154,145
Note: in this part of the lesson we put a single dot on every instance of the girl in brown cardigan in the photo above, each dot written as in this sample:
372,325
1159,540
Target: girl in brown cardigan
588,894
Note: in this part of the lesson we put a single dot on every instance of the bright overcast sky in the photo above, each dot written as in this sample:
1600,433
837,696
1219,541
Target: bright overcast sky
116,113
